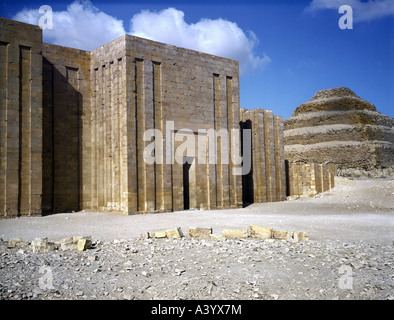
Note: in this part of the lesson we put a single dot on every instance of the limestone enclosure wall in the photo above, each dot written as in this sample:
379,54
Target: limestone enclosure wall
139,85
109,154
266,181
133,126
66,119
308,179
20,118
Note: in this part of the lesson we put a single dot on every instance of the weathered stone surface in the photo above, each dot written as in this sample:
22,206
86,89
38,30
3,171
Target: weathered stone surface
68,244
308,179
84,243
203,233
282,235
145,235
217,237
235,233
338,126
151,76
41,245
16,243
300,236
259,232
174,233
159,234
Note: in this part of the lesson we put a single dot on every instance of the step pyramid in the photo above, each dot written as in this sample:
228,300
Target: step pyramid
338,126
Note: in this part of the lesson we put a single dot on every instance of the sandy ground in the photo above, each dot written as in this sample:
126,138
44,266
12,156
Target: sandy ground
354,210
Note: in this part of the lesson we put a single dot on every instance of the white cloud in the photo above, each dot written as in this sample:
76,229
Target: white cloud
81,26
362,11
218,37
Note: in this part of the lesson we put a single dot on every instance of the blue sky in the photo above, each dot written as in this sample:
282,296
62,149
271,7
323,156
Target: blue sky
288,50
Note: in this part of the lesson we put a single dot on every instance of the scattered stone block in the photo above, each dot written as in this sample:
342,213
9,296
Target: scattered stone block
300,236
41,245
128,297
145,235
16,243
56,244
84,243
217,237
260,232
282,235
159,235
202,233
174,233
254,231
235,233
67,244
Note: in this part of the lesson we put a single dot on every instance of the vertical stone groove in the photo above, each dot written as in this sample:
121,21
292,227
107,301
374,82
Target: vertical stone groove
3,125
24,201
140,124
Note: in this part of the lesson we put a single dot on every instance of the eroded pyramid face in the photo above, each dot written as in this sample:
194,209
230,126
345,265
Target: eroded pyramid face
337,125
334,93
336,99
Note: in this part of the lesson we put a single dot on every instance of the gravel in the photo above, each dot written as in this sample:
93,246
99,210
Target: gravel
349,255
190,268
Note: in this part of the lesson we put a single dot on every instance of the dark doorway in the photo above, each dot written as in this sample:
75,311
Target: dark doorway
287,178
247,179
187,163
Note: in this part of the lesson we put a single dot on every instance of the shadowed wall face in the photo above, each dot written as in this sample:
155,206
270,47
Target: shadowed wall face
63,99
66,98
43,101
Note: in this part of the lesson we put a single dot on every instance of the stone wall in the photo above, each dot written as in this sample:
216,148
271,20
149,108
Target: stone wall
74,130
109,116
80,124
138,84
308,179
20,118
266,181
66,123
